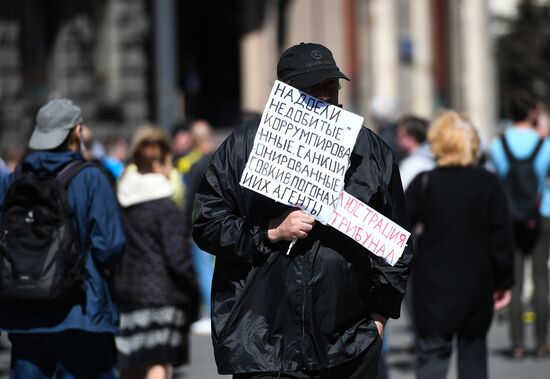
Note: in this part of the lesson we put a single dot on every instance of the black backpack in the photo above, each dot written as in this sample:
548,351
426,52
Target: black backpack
522,190
40,260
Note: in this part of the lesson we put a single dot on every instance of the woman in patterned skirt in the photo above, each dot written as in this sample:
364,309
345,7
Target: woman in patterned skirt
156,283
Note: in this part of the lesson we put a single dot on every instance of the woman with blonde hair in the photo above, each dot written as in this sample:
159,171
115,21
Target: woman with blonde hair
463,264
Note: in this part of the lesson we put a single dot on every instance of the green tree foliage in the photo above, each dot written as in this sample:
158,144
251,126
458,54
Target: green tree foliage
523,55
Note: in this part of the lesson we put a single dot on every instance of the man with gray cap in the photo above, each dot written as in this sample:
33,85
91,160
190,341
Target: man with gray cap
75,336
319,311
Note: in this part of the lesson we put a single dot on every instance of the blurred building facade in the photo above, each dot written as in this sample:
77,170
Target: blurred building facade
130,61
420,55
90,51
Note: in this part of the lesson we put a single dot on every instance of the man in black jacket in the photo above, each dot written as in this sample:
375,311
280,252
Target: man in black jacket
319,311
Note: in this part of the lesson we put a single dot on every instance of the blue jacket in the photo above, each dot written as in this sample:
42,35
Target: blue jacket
96,211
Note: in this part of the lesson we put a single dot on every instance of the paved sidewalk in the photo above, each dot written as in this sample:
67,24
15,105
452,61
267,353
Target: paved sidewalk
500,365
401,363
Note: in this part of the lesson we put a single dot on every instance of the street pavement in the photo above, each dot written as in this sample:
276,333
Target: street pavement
400,359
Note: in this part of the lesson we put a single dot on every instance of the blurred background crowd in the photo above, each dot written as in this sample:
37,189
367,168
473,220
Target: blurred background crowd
195,69
127,62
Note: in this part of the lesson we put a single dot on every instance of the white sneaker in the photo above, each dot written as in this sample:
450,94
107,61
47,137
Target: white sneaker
202,327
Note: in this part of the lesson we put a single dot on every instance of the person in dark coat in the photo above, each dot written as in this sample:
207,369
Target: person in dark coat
156,284
320,310
64,336
204,262
463,266
532,237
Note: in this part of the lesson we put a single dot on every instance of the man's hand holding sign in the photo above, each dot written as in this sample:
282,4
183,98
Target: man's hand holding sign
293,224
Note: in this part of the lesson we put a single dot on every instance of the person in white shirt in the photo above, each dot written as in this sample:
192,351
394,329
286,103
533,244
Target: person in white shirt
411,137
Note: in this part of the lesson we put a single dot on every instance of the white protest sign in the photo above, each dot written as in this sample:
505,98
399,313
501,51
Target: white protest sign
371,229
301,151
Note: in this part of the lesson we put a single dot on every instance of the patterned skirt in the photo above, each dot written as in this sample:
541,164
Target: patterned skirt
150,336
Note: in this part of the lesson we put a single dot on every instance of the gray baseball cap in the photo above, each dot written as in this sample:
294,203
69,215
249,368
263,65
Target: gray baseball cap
54,121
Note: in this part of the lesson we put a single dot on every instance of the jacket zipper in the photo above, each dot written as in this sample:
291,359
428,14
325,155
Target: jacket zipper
305,298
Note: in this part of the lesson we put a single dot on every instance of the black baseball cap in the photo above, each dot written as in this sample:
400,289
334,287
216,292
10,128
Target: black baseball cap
306,64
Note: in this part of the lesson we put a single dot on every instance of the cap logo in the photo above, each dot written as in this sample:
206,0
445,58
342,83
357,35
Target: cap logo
315,54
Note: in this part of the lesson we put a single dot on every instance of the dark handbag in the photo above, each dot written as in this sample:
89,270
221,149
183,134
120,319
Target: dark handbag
419,227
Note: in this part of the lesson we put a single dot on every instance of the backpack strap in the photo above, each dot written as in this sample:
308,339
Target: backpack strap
424,180
536,151
18,172
512,158
507,151
424,184
69,171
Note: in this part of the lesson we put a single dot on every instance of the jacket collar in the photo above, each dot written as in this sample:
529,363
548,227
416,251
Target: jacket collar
49,161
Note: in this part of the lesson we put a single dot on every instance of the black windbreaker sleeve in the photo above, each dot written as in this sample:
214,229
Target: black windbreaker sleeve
222,226
374,179
389,282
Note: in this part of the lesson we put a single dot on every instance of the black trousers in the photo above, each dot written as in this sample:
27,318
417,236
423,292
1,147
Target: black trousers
539,266
363,367
82,354
433,356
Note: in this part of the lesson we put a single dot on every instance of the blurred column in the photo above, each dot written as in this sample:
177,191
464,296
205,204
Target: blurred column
259,61
364,81
351,22
13,114
384,49
320,21
454,55
165,69
333,31
324,22
422,70
107,56
477,62
71,64
121,63
303,15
